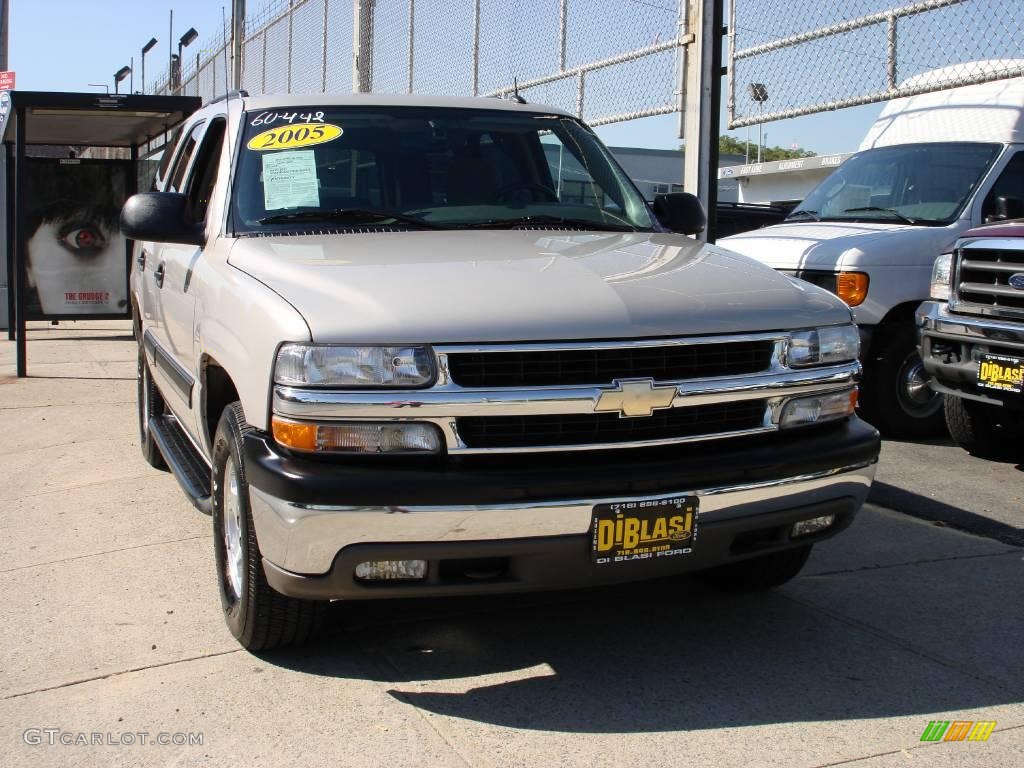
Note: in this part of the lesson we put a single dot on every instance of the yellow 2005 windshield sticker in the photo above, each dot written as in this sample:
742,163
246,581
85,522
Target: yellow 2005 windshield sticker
294,136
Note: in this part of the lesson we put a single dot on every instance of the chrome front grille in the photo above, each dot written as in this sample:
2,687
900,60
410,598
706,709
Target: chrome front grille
983,280
570,367
574,396
605,428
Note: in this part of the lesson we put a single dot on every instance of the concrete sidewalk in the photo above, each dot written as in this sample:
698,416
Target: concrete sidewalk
110,624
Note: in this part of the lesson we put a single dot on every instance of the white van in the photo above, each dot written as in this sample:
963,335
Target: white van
931,167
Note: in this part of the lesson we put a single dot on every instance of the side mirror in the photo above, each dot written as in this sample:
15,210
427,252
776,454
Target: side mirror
681,212
1009,208
160,217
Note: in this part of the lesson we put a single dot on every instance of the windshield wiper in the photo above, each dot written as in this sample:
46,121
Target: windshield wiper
526,221
354,214
892,211
803,212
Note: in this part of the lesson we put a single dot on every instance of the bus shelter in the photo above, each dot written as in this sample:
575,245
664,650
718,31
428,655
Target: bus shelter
72,159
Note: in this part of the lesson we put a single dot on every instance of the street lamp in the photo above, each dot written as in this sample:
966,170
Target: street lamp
759,93
183,42
120,75
146,49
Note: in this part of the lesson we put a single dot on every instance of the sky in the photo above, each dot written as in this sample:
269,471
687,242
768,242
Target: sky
64,45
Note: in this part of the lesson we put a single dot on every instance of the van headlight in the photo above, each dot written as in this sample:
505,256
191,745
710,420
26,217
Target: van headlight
940,277
823,346
329,365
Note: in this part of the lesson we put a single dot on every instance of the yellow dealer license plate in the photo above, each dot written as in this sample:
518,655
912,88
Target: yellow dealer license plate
628,531
1005,374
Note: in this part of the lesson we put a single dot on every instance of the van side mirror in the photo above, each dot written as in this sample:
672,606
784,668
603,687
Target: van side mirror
681,212
160,217
1009,208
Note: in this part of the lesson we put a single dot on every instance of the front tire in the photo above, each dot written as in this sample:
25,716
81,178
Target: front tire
259,617
758,573
896,397
149,403
984,430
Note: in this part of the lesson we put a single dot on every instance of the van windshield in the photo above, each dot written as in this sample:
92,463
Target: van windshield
310,168
926,184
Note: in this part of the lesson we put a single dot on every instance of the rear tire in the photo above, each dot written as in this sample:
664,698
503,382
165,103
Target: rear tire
259,617
149,403
984,430
895,396
758,573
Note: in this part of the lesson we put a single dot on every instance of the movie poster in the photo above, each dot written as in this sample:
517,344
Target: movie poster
77,263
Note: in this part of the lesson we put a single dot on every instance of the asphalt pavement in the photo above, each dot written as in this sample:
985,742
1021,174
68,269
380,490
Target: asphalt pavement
110,627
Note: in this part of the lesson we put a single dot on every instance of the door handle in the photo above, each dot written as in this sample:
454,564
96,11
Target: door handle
141,261
158,275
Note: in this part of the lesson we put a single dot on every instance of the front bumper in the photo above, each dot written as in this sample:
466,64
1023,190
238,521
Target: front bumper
528,519
951,345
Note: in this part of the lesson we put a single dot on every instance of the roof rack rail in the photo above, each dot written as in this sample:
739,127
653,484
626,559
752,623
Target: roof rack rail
230,94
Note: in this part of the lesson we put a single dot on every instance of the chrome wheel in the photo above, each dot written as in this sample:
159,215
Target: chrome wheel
234,551
915,396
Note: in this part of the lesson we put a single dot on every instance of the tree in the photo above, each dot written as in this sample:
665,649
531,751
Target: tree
733,146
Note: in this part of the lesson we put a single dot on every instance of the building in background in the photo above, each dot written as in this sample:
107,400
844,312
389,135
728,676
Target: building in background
782,182
660,171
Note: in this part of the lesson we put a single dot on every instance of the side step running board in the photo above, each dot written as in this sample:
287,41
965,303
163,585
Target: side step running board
188,467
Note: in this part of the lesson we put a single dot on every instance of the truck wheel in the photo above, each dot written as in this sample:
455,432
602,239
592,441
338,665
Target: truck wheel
259,618
984,430
149,403
758,573
896,397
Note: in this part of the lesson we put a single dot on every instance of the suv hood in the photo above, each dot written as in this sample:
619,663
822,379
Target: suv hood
494,286
840,244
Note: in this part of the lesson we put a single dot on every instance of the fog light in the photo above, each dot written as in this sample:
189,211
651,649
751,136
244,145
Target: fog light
818,408
355,437
392,570
814,525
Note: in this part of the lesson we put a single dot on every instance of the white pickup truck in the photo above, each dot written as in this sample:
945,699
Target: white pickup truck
930,168
406,346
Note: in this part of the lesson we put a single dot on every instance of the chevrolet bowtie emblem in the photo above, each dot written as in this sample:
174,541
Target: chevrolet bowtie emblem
635,397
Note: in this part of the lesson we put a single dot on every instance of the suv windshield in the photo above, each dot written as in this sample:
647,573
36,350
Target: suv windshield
436,168
924,184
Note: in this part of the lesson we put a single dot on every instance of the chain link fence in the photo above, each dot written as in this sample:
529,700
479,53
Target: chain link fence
788,58
605,60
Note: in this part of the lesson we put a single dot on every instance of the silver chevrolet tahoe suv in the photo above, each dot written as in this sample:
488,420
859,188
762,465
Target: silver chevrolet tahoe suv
418,346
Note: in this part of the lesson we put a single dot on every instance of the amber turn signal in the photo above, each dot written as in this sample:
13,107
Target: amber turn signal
301,437
852,287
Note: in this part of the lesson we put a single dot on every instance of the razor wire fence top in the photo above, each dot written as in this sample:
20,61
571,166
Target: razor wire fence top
791,58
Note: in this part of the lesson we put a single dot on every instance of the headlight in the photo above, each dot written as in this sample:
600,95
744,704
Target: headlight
821,346
357,437
312,365
940,277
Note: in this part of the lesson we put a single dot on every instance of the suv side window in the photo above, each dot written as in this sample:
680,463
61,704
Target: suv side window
165,158
181,164
1009,184
204,171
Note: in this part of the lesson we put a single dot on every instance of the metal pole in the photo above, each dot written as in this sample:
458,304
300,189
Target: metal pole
760,130
892,53
563,18
4,14
237,42
323,62
170,55
9,235
263,73
362,45
20,242
291,23
581,87
143,71
131,75
412,39
703,100
476,47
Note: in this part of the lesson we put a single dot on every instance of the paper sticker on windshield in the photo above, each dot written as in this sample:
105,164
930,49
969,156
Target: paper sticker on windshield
293,136
289,180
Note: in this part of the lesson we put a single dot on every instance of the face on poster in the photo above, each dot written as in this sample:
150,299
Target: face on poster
76,263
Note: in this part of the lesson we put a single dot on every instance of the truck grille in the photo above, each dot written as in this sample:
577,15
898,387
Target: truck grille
592,429
599,366
984,278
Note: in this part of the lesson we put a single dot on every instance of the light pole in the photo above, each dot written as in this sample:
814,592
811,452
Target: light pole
146,49
183,42
120,75
759,93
